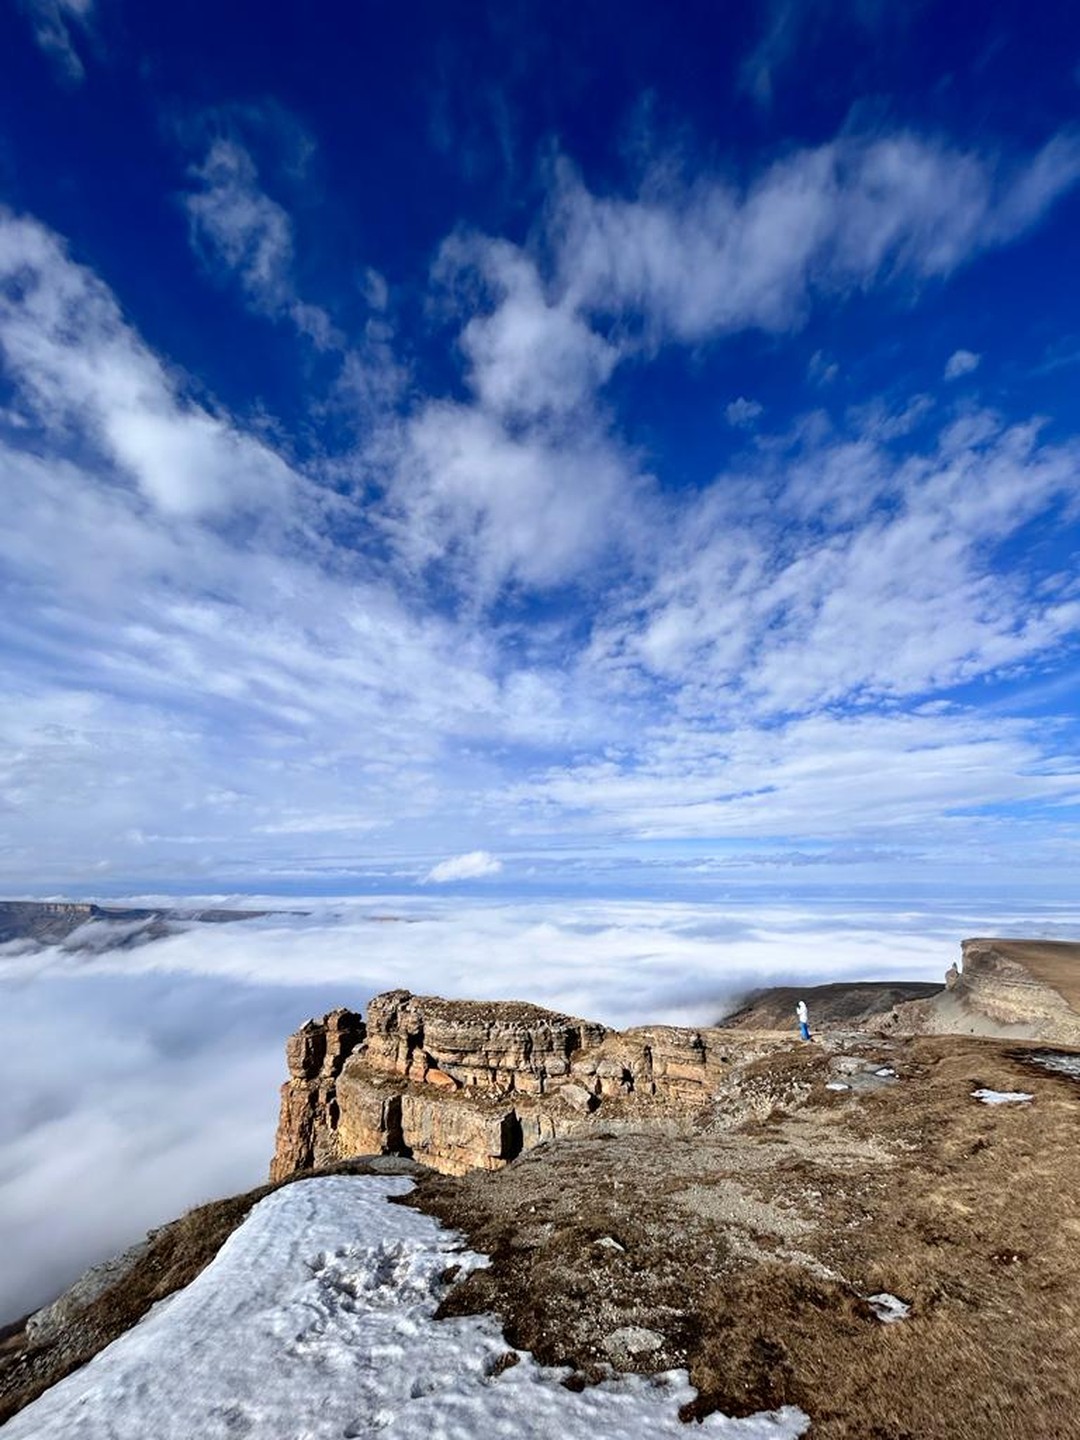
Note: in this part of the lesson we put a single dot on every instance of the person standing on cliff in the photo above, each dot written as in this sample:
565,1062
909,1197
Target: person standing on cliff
804,1020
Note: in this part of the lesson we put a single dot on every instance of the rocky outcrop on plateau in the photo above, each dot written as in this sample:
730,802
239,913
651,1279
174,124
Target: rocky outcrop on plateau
462,1085
1019,989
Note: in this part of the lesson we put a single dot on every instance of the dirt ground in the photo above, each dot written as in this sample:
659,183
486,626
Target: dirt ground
746,1255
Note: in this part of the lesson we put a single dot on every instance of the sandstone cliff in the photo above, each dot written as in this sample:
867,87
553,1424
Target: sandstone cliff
1019,989
463,1085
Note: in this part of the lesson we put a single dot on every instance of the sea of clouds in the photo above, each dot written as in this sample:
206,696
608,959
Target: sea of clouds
139,1082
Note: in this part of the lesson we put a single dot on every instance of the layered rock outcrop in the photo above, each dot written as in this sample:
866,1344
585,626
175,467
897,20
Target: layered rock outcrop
1020,989
309,1111
461,1085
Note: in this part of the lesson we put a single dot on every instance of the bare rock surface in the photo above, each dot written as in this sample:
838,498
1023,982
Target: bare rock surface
1012,989
462,1085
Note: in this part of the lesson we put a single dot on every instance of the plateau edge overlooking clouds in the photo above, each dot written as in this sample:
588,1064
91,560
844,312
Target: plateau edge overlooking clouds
599,482
426,558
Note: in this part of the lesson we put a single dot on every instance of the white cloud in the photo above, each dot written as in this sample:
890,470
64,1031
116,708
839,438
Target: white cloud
78,364
472,866
840,574
961,362
528,353
742,412
710,259
790,30
53,22
235,225
495,506
492,589
917,778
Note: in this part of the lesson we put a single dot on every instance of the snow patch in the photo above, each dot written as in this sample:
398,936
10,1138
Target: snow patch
888,1308
1059,1063
1002,1097
317,1319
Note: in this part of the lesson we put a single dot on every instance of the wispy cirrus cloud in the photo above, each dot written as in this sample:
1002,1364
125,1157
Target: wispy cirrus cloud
237,227
527,483
493,607
243,236
711,258
79,366
54,23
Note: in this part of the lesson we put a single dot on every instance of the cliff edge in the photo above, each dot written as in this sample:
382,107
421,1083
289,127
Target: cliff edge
1012,989
461,1085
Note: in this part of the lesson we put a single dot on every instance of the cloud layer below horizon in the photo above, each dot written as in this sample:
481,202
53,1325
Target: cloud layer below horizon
145,1081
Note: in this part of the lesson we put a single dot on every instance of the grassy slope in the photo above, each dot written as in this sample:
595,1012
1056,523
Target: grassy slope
968,1212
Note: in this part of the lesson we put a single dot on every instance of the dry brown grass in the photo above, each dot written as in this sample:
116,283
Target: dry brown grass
974,1220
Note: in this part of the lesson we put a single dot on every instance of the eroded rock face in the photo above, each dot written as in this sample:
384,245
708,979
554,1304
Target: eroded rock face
309,1105
1018,984
463,1085
1012,989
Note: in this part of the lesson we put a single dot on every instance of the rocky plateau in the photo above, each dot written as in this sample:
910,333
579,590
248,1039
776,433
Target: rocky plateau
460,1085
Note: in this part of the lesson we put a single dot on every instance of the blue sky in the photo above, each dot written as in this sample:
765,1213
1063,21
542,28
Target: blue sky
545,447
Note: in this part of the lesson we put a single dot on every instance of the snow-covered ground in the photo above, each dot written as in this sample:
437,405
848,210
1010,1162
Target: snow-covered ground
316,1321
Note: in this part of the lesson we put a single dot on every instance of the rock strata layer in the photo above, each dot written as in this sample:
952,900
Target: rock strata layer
462,1085
1018,989
307,1123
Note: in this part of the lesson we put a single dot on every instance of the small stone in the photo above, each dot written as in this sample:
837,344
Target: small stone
577,1097
630,1341
506,1361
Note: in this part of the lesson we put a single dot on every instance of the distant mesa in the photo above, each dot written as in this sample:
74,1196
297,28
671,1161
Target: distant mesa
91,927
1008,988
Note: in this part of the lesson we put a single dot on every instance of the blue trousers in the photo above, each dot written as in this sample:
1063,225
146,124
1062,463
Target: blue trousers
804,1030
